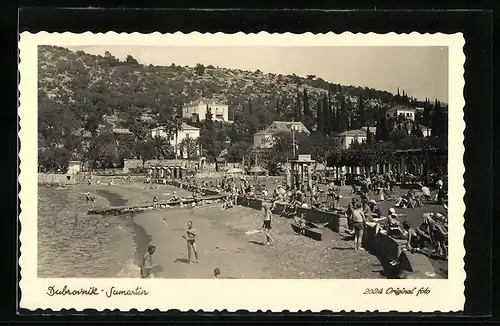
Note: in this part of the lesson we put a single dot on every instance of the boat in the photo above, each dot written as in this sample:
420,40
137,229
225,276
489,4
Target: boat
309,231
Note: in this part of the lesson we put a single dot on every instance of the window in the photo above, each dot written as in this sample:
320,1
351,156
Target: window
172,137
187,135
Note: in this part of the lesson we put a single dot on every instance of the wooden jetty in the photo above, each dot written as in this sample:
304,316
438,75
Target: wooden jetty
187,202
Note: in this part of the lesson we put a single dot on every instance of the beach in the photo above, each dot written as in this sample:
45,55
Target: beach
222,243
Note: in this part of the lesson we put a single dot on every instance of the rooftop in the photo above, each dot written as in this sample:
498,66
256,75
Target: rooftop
185,126
204,100
122,131
400,108
355,132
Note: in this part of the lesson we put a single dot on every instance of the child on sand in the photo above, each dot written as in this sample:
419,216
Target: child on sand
267,224
147,262
216,273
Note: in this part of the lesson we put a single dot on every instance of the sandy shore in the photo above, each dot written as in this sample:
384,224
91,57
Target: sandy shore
223,244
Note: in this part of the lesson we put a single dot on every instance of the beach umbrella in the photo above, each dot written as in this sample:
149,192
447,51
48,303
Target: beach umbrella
234,170
257,169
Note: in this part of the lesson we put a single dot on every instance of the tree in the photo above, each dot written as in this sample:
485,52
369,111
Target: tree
162,147
362,113
239,151
130,60
369,137
319,117
172,125
190,148
146,151
298,106
332,113
208,115
199,69
326,116
305,102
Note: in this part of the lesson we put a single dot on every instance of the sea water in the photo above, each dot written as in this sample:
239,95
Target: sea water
74,244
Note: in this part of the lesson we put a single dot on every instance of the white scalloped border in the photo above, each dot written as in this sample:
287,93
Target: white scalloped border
232,295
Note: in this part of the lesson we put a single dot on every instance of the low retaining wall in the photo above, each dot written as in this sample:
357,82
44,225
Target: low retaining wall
67,179
388,249
58,179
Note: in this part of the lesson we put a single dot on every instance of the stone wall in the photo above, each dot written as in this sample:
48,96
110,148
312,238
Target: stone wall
129,164
66,179
58,179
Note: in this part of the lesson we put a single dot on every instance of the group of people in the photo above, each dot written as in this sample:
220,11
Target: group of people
432,232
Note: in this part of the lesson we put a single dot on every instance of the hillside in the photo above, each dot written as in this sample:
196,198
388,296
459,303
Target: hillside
82,95
125,88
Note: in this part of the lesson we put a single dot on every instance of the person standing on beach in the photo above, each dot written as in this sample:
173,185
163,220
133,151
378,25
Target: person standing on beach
190,238
147,262
358,220
267,224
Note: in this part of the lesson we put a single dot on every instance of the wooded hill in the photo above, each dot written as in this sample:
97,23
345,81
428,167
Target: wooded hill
80,92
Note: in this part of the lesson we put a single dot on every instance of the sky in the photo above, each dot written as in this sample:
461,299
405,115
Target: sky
421,71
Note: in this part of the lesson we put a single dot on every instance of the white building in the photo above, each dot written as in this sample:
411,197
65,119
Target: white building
265,138
399,110
186,131
198,109
345,139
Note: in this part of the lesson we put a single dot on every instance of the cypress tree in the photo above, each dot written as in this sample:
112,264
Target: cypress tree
305,102
333,114
328,121
326,116
369,136
298,106
342,116
278,110
250,109
362,113
319,117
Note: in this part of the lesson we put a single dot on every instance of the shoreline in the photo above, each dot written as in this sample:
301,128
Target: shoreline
141,238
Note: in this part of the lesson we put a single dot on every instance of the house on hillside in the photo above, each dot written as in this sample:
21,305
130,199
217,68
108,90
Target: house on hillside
187,131
121,134
346,138
198,110
265,138
373,130
400,110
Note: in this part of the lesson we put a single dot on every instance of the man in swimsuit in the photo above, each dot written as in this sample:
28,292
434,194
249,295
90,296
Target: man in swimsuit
190,238
267,224
89,197
358,219
147,262
155,202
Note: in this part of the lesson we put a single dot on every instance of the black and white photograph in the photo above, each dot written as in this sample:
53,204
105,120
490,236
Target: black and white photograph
244,162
